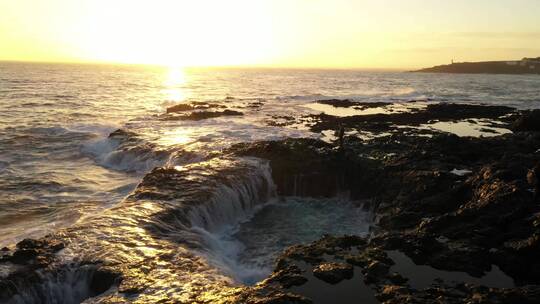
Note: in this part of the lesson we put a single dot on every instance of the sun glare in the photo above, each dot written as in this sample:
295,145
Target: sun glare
176,76
180,136
174,81
178,33
280,33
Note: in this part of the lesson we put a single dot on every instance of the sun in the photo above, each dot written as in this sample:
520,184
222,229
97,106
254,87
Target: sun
178,33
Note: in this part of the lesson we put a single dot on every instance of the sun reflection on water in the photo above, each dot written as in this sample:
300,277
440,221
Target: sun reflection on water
174,82
179,136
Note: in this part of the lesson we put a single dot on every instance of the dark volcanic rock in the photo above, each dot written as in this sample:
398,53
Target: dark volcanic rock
122,134
200,115
333,273
338,103
533,178
375,270
180,108
287,277
262,296
437,218
38,252
30,256
194,105
102,280
309,167
529,121
22,256
347,103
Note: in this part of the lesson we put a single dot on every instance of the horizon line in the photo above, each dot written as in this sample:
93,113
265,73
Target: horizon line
241,66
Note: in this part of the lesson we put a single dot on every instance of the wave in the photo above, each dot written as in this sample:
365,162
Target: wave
111,154
125,151
100,129
3,165
402,94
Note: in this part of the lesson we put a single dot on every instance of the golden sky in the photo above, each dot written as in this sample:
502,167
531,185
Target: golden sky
283,33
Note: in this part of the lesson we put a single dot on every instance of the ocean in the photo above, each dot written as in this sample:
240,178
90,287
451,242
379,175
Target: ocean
59,167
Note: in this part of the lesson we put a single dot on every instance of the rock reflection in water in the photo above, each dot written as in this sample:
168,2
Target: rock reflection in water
422,276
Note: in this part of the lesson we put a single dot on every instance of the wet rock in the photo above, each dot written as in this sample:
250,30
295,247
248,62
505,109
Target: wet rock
367,255
397,279
102,280
22,256
31,263
35,252
333,273
123,134
265,294
309,167
347,103
5,254
338,103
533,178
194,105
180,108
200,115
30,244
391,293
528,121
287,276
376,271
56,245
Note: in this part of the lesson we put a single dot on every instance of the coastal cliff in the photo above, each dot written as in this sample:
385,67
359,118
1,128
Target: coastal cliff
524,66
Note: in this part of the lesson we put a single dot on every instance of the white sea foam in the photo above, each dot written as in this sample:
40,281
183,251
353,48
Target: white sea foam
461,172
235,200
111,153
100,129
247,248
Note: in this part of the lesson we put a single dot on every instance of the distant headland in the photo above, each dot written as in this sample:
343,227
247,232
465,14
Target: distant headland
523,66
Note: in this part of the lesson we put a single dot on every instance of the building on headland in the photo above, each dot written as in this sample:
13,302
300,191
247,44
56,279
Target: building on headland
523,66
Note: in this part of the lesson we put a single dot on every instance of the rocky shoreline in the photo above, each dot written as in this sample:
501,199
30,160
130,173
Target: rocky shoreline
453,222
450,204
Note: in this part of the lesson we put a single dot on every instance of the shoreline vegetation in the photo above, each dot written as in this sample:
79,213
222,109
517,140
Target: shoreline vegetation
523,66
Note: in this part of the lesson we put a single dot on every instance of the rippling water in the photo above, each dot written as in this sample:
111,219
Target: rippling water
58,165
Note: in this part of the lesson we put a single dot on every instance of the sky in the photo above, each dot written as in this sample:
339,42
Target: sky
398,34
